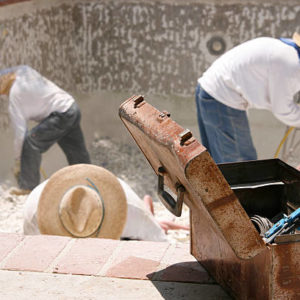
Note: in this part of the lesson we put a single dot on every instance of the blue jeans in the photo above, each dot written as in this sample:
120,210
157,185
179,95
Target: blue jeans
224,131
62,128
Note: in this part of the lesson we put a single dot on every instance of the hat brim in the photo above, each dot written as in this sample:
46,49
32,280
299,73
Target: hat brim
109,188
296,38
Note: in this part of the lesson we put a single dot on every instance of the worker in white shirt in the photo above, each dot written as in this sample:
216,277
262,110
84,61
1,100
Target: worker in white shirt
89,201
32,97
262,73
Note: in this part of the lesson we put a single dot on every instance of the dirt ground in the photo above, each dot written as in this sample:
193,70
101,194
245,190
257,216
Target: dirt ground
125,161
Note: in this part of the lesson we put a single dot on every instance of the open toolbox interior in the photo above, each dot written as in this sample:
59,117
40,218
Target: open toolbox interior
268,190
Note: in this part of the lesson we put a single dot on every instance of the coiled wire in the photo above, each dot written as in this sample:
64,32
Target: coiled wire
262,224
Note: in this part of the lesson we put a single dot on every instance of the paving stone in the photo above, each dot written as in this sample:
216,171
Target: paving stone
134,268
8,242
45,286
36,253
137,260
186,272
143,249
132,259
86,256
179,265
177,253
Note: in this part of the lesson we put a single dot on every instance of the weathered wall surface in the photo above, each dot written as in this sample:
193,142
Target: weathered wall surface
143,46
103,51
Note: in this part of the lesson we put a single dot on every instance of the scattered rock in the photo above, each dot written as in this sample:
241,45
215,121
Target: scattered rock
127,162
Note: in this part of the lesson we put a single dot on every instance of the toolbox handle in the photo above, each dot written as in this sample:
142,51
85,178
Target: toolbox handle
175,207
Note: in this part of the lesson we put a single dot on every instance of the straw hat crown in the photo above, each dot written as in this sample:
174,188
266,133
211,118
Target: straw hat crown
82,201
81,211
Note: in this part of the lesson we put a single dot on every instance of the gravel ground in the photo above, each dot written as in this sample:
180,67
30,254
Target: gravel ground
125,161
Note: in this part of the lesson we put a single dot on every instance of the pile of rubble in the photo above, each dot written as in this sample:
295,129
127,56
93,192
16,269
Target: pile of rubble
126,162
11,210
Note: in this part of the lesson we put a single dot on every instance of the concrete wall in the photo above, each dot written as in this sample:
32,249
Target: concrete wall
146,46
103,51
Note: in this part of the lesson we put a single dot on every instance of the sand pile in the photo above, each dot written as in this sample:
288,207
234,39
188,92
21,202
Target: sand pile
11,210
125,161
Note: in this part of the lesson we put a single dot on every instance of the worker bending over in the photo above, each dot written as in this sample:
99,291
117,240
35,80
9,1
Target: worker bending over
262,73
32,97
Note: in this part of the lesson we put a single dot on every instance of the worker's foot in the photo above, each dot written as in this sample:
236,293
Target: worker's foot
18,191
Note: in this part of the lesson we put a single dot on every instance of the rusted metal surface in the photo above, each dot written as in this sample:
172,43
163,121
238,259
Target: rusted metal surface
286,271
223,238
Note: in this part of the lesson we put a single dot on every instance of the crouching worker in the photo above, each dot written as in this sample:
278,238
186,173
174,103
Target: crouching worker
34,98
84,201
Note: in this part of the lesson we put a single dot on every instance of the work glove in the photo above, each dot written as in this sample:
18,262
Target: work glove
17,169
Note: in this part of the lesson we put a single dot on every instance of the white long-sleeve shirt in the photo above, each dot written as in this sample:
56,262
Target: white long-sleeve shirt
262,73
140,223
32,97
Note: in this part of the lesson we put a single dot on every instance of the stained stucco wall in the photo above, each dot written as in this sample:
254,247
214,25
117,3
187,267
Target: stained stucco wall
143,46
103,51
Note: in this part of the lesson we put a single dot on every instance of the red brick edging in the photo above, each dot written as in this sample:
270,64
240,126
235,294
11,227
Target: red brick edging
7,2
101,257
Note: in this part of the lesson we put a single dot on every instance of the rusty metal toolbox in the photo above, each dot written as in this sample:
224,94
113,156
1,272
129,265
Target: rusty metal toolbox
221,199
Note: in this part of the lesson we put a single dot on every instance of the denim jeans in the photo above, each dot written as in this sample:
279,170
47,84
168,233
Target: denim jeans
224,131
62,128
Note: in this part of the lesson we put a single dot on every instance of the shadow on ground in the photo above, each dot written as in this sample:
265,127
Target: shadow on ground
186,280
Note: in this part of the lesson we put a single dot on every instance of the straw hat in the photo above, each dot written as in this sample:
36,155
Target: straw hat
82,200
296,38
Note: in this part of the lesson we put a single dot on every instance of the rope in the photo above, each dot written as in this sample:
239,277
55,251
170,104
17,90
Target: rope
43,173
261,224
283,140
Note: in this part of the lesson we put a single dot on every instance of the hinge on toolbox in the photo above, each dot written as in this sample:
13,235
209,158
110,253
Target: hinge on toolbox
175,207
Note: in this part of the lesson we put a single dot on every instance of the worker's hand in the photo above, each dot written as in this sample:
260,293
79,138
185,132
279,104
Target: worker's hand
167,225
17,169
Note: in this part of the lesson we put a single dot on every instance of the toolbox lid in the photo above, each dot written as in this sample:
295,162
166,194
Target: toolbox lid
185,166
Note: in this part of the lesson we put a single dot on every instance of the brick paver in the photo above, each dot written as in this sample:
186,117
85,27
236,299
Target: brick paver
147,250
86,256
180,266
134,268
137,260
8,241
36,253
101,257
